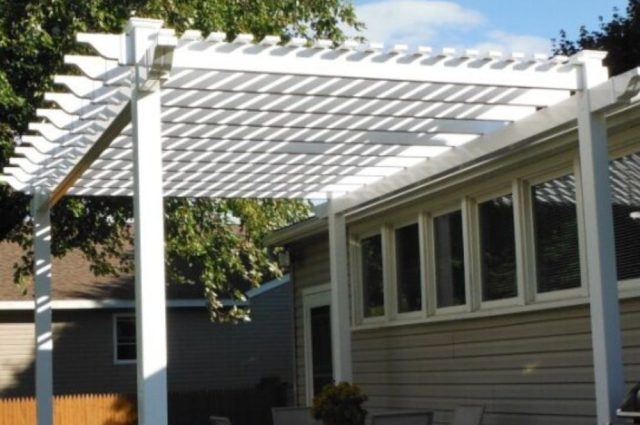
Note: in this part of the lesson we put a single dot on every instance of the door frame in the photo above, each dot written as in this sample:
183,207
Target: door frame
317,296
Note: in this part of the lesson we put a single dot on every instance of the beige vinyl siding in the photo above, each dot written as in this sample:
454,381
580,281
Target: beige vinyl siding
311,268
533,368
16,348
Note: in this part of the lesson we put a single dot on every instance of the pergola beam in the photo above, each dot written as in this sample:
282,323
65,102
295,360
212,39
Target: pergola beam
302,61
116,126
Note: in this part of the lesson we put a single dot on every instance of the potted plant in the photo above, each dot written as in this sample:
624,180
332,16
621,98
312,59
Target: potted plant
340,404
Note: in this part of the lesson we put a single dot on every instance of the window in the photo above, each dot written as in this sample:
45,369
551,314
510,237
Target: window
124,334
372,276
517,245
556,234
449,257
408,283
625,194
497,249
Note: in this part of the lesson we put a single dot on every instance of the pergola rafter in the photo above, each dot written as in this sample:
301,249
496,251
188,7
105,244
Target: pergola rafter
154,116
236,105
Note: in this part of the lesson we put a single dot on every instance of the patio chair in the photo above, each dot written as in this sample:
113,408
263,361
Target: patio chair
467,415
293,416
402,418
219,420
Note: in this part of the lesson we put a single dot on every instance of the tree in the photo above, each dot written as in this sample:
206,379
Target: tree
216,242
620,37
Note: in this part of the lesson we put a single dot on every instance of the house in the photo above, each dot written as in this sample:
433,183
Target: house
94,335
470,288
467,237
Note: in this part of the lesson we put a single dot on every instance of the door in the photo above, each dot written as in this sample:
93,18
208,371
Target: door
317,336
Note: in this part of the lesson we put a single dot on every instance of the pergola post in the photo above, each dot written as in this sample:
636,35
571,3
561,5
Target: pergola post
42,311
340,318
600,245
149,235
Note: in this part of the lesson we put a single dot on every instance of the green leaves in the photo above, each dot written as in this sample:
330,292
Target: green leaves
219,243
620,37
214,242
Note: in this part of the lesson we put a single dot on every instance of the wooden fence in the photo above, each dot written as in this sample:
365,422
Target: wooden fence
89,409
243,407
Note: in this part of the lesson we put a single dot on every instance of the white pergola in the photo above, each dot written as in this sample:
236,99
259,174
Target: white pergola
153,115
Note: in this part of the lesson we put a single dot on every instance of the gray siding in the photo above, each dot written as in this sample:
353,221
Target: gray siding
209,356
310,269
202,355
528,368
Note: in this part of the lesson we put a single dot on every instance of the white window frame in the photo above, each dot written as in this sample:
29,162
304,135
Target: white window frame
476,253
442,199
582,290
462,206
356,272
395,313
117,316
632,284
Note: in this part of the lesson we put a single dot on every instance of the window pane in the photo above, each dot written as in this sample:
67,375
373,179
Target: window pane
449,259
498,249
127,352
556,234
372,285
126,338
408,269
625,191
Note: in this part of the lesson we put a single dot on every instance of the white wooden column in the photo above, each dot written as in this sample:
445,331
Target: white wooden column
600,245
42,311
149,237
340,318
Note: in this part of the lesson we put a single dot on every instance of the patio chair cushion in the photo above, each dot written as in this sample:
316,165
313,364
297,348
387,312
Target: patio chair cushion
402,418
293,416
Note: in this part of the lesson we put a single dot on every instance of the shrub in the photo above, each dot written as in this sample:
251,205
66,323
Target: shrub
340,404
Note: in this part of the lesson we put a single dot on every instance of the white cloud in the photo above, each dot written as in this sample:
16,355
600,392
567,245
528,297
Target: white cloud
440,24
499,40
414,22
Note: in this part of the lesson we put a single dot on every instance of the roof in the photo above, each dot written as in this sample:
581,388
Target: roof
72,279
245,119
300,230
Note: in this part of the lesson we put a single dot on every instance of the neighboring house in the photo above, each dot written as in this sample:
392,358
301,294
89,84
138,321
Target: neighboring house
470,288
94,335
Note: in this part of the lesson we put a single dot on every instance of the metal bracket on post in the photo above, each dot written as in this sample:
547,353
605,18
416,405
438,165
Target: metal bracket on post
155,65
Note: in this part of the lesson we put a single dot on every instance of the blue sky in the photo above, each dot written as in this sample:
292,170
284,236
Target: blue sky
508,25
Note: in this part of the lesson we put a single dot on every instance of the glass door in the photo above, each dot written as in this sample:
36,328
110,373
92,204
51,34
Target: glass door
318,355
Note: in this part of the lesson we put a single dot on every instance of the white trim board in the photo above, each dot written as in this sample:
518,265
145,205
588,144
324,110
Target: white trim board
85,304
